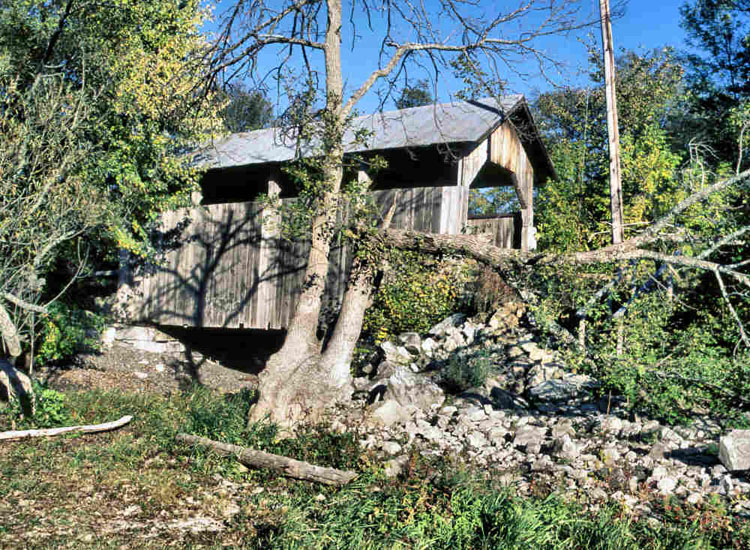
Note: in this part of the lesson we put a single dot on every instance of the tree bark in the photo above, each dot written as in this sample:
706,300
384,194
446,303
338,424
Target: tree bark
18,387
51,432
283,385
288,467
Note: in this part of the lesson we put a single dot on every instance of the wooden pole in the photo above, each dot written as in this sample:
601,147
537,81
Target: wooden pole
615,182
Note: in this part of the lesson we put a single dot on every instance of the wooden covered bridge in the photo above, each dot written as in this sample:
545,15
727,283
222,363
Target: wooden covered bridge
225,264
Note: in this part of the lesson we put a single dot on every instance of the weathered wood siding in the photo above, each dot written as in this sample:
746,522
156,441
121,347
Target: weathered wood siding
505,230
227,268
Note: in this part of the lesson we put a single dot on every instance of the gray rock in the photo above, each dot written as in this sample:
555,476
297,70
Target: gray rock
734,450
477,440
530,437
391,447
409,388
666,485
396,465
540,373
569,387
428,346
450,321
396,354
411,341
611,425
474,414
566,448
389,412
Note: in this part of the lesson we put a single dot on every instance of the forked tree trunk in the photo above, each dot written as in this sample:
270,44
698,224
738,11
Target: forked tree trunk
294,383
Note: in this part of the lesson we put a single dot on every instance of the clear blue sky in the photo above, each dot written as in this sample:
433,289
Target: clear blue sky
645,24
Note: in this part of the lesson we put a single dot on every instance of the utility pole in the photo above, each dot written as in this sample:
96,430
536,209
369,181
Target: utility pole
615,180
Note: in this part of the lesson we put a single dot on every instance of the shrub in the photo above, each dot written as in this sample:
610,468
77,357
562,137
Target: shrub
417,291
465,371
67,330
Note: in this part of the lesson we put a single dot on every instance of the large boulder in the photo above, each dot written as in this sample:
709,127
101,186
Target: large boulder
734,450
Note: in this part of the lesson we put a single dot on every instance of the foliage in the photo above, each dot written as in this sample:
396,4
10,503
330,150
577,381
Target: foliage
671,354
573,212
51,409
416,292
67,330
434,505
246,110
467,370
415,96
99,103
718,70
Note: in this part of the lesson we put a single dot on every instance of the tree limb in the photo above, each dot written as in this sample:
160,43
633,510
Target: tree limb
16,301
51,432
288,467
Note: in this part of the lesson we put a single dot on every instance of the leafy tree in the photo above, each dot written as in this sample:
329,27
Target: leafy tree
246,110
99,102
415,96
573,211
718,70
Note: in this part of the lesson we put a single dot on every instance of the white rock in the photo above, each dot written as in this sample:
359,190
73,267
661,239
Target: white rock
391,447
666,485
389,412
734,450
394,466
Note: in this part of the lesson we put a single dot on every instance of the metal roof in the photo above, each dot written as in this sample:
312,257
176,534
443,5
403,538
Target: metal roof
457,122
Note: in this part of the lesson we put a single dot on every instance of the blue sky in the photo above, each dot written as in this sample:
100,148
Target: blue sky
645,24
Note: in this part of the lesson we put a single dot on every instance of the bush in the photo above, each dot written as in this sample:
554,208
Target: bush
465,371
67,330
417,291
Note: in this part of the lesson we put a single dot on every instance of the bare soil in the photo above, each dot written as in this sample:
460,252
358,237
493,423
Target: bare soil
128,369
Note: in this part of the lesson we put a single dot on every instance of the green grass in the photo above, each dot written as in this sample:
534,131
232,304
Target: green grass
77,491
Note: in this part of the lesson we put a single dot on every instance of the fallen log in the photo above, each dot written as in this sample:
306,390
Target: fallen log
288,467
50,432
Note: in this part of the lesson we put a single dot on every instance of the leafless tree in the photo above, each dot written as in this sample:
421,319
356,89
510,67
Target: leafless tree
489,41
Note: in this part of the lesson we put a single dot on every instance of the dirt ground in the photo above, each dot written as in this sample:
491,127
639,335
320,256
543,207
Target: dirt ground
130,370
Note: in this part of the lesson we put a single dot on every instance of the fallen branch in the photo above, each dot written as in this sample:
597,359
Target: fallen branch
285,466
50,432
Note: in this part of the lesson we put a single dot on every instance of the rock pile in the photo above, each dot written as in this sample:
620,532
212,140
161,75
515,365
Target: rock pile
533,421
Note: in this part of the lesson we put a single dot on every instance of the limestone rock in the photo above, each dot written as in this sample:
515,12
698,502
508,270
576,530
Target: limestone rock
411,342
530,437
734,450
569,387
449,322
396,354
409,388
389,413
396,465
391,447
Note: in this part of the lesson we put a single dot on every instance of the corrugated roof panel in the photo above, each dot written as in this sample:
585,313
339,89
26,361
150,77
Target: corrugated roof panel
416,127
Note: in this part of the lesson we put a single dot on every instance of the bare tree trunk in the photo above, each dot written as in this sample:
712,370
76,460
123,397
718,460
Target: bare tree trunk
285,382
9,333
615,180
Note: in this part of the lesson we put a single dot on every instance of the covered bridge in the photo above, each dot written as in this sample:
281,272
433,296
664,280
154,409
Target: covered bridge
225,264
